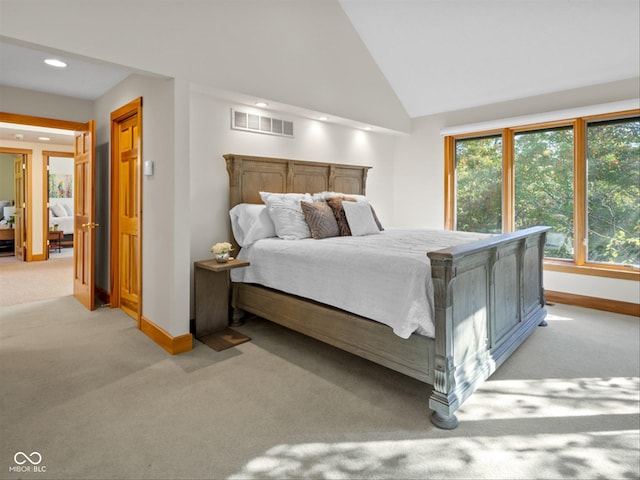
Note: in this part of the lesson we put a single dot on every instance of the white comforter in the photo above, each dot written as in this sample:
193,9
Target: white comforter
64,223
385,277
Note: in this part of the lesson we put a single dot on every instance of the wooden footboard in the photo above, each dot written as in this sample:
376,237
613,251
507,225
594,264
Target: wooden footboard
489,298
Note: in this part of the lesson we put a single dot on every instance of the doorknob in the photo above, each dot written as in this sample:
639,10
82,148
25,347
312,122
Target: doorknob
90,225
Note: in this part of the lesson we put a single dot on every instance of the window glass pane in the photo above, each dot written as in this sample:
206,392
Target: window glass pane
479,184
613,191
543,166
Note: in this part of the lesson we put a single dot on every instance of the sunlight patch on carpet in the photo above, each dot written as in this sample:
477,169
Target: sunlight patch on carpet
554,397
537,456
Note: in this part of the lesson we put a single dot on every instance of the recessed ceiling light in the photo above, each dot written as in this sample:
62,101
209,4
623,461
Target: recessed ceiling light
44,139
54,62
324,118
368,128
261,104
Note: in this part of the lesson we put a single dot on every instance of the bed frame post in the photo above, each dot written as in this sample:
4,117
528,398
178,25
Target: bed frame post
443,401
488,298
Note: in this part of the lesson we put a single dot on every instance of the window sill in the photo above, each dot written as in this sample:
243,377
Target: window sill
628,273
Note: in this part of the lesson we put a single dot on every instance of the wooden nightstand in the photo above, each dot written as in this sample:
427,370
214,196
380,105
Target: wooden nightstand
212,292
55,239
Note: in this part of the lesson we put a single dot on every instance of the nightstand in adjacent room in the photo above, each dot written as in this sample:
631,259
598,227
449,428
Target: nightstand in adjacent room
55,240
212,293
7,242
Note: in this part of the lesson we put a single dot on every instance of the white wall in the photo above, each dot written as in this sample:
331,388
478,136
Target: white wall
211,137
419,172
38,104
159,276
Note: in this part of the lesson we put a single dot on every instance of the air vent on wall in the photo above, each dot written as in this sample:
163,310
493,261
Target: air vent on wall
250,122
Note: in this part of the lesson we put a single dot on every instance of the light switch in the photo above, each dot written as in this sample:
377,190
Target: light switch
148,168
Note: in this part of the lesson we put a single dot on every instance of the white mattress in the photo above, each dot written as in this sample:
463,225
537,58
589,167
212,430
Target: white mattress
385,277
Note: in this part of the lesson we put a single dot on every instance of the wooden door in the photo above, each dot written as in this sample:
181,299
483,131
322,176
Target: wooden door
19,167
84,212
127,204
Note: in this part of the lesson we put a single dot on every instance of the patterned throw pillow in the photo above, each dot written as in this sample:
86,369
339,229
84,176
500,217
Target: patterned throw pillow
320,218
338,212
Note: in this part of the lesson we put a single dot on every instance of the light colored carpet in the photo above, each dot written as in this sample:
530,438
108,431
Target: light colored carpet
98,399
22,282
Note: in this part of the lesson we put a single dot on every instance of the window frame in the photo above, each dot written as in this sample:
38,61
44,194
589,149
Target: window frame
579,264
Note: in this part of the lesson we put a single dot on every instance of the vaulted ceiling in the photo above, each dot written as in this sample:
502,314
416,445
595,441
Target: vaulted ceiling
447,55
377,61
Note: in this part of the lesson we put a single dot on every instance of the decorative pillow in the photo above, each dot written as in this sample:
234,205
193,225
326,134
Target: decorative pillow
286,213
338,212
67,209
319,217
251,222
360,218
325,196
58,210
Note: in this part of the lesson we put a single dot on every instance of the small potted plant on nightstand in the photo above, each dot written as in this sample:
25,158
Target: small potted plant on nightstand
221,251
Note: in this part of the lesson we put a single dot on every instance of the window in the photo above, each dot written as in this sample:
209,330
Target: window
579,176
543,186
479,184
613,192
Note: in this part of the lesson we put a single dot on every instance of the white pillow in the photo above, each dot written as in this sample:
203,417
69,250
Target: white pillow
286,213
360,218
58,210
251,222
67,209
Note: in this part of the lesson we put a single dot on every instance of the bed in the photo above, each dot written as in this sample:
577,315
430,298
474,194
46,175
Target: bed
488,296
61,214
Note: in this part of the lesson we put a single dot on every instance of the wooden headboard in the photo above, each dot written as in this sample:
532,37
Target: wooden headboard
250,175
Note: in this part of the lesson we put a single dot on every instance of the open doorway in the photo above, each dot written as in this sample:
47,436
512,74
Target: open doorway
13,234
60,210
7,202
35,272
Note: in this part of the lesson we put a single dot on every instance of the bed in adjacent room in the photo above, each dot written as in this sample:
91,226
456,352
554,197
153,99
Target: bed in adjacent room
444,307
61,217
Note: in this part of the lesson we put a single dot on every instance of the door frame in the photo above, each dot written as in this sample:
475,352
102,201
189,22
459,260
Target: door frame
126,111
27,156
37,122
46,154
